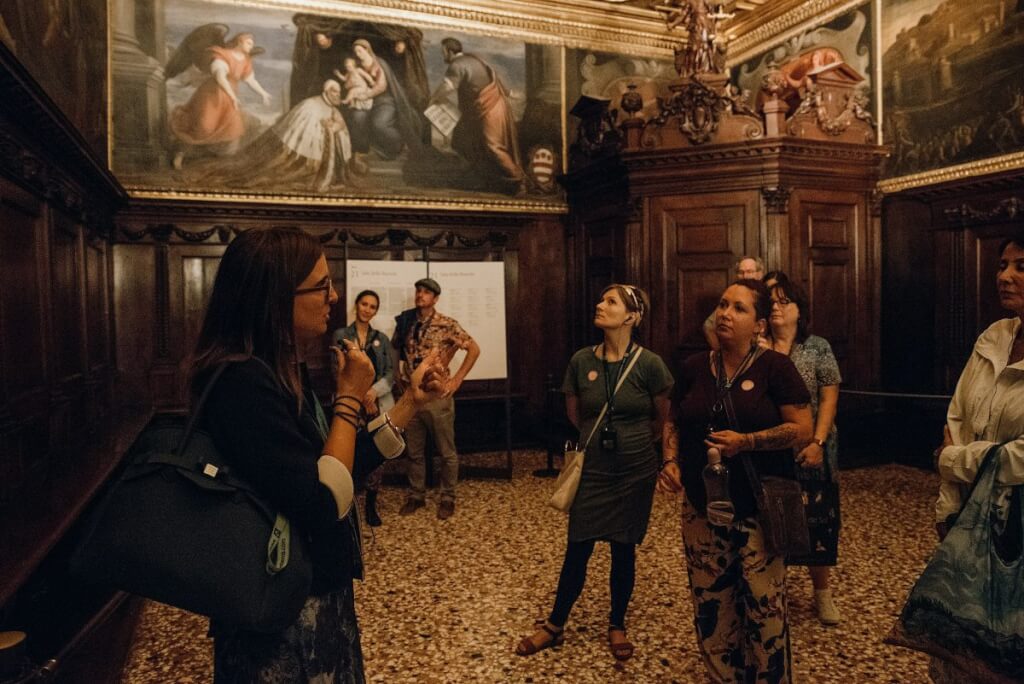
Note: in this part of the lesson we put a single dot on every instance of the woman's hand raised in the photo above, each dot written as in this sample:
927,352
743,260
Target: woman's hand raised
353,370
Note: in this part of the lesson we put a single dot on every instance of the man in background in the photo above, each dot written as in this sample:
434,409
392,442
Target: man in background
418,331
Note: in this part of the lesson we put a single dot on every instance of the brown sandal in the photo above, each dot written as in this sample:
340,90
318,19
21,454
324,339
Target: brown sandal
527,647
622,650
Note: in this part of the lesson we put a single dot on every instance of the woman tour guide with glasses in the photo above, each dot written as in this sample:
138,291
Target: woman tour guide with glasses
272,299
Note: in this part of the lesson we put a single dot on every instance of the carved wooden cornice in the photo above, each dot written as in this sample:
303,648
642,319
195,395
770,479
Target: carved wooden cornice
966,214
186,212
170,233
778,21
755,149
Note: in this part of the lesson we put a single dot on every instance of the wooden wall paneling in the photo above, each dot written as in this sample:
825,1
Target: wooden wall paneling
24,428
538,311
695,240
190,275
828,242
67,335
910,257
134,297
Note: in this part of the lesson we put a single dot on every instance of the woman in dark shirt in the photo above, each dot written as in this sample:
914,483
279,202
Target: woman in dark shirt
738,589
271,299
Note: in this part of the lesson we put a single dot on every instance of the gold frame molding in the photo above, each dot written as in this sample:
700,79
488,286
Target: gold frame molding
963,171
792,17
589,24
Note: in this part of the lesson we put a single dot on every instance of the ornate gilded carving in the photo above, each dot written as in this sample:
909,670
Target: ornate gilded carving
704,49
631,101
752,33
698,110
967,215
875,202
776,199
953,173
813,103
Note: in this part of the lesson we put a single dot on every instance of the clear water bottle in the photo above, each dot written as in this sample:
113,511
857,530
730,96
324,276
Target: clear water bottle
720,510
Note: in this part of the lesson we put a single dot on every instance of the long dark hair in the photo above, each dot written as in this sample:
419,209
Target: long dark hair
251,309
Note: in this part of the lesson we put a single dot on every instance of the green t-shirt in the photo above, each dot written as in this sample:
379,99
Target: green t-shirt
585,378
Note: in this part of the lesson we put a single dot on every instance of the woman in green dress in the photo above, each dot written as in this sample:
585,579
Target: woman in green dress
620,468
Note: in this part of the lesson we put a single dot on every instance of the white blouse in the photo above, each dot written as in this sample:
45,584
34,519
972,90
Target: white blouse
987,408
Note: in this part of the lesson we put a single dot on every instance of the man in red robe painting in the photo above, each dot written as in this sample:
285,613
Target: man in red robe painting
486,132
212,116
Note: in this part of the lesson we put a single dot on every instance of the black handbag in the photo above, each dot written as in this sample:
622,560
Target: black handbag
180,528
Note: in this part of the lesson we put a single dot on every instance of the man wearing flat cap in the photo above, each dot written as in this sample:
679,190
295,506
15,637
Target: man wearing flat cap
417,333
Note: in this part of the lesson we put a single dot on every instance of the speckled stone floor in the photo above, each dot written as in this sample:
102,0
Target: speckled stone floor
447,601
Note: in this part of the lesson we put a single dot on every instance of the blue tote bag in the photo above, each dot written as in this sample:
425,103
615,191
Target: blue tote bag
968,605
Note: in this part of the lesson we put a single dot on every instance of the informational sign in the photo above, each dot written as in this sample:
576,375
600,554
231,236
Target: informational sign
472,292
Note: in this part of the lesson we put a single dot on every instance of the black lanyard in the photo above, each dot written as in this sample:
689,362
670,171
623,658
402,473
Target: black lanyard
610,382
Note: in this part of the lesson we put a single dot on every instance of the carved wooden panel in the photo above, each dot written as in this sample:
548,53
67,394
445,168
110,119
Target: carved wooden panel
97,310
695,242
828,239
22,364
66,297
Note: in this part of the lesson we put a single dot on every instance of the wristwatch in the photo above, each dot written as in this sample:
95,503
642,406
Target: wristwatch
819,442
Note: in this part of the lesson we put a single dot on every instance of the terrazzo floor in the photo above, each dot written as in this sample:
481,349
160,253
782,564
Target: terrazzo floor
447,601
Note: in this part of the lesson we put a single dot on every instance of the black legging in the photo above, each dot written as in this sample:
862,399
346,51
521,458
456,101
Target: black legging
574,575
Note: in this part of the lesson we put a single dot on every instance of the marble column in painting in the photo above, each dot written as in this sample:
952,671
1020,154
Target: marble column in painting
541,123
139,102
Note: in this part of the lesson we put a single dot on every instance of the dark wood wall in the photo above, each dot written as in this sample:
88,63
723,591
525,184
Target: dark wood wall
60,432
676,221
941,253
166,256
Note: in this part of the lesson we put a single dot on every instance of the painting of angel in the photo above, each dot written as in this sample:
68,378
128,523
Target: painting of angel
213,116
341,107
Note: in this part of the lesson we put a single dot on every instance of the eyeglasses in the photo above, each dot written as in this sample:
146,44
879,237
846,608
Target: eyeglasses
325,288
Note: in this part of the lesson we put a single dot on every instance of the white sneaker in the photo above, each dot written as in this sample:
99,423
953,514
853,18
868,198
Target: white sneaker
828,614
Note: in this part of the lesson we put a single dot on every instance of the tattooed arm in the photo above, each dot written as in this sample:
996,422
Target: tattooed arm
669,479
795,429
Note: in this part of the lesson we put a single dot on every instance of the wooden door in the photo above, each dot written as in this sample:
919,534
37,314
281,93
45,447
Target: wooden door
695,241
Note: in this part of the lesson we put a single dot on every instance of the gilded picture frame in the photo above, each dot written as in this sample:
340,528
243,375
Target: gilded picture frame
155,112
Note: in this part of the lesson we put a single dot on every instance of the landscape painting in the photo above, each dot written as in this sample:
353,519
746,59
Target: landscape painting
258,101
953,81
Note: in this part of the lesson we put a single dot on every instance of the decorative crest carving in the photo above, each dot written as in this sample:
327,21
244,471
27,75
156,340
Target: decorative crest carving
776,199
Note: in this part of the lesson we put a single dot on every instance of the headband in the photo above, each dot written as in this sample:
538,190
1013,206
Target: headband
638,302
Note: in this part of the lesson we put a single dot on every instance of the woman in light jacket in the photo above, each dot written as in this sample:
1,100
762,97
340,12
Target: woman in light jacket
378,398
987,409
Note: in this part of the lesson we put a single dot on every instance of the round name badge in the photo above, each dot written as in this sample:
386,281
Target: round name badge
592,376
747,385
376,343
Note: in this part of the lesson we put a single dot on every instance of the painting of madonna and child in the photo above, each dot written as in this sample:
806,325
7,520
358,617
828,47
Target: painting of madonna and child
262,101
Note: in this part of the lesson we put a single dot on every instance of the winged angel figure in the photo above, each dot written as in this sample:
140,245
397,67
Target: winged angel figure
212,116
